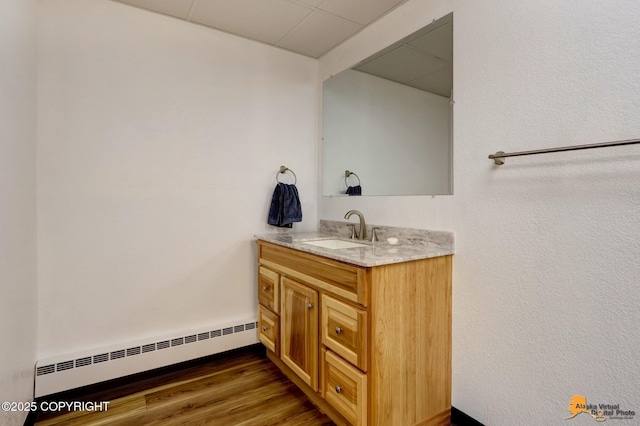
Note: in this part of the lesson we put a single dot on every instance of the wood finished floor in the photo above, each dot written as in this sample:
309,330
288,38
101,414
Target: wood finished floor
242,388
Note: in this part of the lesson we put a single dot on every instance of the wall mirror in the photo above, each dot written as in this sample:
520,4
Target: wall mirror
388,119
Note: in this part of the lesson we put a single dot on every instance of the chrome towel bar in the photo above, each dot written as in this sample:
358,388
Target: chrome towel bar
499,156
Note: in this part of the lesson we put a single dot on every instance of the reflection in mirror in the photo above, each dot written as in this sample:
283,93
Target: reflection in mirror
389,118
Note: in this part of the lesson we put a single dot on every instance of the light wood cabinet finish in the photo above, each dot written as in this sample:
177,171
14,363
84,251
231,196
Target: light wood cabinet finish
410,318
269,329
344,330
392,357
345,388
344,280
299,335
269,289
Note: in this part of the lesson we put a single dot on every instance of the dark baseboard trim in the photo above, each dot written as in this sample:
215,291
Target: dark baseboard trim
459,418
31,418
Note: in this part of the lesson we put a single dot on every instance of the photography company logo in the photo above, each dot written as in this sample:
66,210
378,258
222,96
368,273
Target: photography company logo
599,412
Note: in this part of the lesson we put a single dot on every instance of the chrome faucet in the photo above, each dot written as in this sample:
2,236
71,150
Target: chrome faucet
362,235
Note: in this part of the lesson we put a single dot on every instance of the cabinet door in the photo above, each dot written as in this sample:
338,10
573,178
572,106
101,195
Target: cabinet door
268,288
299,330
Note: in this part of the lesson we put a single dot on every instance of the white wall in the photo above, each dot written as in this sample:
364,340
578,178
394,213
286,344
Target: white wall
159,145
545,301
18,38
394,137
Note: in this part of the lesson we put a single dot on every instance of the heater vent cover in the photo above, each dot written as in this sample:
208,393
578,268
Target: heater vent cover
61,366
100,358
47,369
83,361
143,349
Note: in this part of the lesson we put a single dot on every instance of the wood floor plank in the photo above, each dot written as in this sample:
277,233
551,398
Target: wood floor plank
119,410
278,416
254,407
218,383
201,415
216,402
159,378
240,389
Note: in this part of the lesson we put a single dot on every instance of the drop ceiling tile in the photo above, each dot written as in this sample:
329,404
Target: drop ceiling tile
313,3
318,34
438,42
403,65
361,11
440,82
382,52
263,20
447,19
177,8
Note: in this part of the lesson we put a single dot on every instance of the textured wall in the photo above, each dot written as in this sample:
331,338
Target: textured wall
159,142
18,37
545,300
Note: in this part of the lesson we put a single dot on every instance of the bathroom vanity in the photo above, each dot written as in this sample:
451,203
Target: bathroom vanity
364,331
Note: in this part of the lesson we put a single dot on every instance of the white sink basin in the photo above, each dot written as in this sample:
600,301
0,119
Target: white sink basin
335,244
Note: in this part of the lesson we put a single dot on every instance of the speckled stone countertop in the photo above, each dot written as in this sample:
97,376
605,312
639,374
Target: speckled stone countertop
413,244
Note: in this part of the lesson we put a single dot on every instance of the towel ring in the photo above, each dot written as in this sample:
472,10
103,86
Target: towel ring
283,170
347,173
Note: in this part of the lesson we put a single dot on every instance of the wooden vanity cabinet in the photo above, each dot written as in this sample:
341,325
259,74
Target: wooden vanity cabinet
368,346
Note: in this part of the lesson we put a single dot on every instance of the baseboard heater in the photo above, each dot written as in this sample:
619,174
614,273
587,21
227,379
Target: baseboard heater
74,370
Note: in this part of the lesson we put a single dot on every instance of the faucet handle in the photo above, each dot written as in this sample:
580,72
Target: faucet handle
374,235
354,233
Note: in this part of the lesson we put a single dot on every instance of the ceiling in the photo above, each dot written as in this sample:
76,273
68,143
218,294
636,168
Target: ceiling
309,27
423,60
313,27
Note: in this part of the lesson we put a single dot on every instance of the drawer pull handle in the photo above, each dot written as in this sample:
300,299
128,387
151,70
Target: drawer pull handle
309,306
338,330
338,389
264,328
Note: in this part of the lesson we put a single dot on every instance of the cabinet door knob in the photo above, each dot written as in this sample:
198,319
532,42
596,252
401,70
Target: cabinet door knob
264,328
264,288
338,389
338,330
309,306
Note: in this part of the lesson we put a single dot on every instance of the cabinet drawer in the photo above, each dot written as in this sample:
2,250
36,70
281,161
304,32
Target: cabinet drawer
269,329
269,288
344,280
344,331
345,388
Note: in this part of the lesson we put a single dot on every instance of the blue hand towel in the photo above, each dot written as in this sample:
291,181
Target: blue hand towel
285,206
354,190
